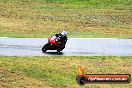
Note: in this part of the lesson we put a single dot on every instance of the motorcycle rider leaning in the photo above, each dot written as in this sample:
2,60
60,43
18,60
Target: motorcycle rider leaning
54,40
58,39
63,36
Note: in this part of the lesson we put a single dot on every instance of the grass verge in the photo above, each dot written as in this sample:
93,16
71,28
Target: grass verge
86,18
60,72
70,35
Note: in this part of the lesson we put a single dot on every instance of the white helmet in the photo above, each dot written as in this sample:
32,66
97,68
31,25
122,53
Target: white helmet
64,33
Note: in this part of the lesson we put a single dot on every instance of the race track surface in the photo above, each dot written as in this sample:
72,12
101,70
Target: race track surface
74,47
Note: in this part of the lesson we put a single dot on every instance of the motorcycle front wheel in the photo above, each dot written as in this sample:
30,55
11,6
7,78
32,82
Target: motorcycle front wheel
44,49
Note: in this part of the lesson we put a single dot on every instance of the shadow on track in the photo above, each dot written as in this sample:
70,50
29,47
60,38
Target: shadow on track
54,53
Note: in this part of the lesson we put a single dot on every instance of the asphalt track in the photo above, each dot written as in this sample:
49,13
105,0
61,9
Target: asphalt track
74,47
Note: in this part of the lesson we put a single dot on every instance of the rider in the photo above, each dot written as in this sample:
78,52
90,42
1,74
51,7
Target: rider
54,39
58,39
63,36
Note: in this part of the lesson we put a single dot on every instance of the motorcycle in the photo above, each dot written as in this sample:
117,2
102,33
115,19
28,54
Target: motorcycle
59,48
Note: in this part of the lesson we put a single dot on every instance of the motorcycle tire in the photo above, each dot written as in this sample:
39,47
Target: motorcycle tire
44,49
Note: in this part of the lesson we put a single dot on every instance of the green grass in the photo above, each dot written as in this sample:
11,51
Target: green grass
38,18
86,3
58,72
70,35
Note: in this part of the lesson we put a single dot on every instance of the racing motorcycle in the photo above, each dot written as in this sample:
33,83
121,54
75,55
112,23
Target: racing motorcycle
59,48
